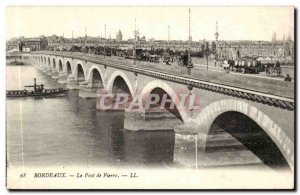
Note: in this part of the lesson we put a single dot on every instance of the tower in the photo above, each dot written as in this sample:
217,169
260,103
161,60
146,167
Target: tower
284,45
274,37
104,31
85,35
104,40
72,37
119,36
217,43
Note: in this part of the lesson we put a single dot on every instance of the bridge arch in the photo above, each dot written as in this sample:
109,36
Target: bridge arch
53,64
209,114
159,84
114,76
68,68
79,72
49,62
60,66
95,73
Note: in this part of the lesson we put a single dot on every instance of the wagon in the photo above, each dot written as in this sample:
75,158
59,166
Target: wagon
273,70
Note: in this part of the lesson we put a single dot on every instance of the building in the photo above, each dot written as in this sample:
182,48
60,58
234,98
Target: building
220,48
27,44
119,36
239,49
33,44
13,45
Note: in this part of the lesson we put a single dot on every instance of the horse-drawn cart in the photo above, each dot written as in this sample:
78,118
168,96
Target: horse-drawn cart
273,70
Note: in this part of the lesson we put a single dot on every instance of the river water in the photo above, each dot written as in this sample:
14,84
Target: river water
69,130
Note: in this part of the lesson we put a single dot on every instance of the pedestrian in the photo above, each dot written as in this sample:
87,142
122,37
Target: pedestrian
288,78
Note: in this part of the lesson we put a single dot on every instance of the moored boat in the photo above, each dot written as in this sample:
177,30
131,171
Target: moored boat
38,91
15,62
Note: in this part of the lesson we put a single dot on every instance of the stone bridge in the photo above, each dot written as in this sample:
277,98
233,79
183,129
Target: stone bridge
271,113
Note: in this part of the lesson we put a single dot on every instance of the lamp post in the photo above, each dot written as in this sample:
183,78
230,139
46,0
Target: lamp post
85,35
104,40
169,35
134,48
189,65
217,41
206,55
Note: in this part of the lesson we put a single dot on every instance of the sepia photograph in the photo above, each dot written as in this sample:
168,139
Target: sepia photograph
150,97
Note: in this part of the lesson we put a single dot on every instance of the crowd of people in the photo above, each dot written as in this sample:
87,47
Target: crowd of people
156,55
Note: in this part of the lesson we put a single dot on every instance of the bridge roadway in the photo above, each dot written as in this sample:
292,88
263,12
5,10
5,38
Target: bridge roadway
262,100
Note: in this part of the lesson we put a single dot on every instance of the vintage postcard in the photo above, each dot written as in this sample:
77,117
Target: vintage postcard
150,97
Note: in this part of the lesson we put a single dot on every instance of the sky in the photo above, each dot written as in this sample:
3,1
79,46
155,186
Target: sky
234,23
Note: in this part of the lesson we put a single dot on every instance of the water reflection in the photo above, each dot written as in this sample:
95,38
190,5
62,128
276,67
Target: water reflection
154,147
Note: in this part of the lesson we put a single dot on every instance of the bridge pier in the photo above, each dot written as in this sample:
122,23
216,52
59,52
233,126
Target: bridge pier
88,90
62,78
107,101
72,83
45,69
55,74
194,148
150,120
189,145
49,71
39,66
